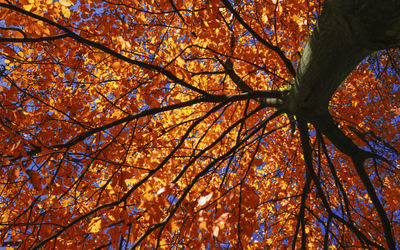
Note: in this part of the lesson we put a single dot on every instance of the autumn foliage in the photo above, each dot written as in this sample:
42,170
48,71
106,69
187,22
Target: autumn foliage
130,124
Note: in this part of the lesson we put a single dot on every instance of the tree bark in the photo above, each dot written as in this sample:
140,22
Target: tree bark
346,32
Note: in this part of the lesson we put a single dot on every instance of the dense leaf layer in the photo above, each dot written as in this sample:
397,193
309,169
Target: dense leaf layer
172,124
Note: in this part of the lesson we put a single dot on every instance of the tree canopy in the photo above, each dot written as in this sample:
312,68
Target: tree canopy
200,124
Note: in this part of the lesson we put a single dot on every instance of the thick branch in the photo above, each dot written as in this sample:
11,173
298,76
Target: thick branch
272,94
307,151
347,31
327,126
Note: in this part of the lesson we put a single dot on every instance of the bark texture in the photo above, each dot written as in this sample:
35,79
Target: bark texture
346,32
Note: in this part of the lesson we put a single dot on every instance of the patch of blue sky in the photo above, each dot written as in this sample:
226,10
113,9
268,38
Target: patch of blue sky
259,234
172,199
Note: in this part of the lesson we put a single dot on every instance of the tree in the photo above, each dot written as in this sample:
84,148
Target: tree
200,123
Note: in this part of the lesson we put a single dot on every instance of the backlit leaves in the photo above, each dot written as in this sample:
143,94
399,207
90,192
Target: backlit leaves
120,124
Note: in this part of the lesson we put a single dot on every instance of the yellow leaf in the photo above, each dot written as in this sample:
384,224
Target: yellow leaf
180,62
203,225
28,7
112,218
175,227
95,225
66,12
66,3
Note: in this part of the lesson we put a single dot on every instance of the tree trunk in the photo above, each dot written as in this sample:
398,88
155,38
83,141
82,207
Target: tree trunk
346,32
